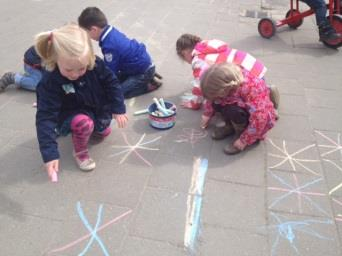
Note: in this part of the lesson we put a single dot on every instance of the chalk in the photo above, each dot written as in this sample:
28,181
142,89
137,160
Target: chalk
163,110
162,103
54,177
141,112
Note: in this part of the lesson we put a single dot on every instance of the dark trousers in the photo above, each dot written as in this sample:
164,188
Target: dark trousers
136,85
320,8
233,114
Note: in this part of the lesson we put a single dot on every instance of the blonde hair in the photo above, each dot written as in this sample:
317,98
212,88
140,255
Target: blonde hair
219,79
68,41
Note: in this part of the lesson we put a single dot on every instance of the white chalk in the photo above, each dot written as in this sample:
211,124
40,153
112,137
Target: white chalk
141,112
54,177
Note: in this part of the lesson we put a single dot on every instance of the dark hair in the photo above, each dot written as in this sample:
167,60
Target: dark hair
186,41
92,16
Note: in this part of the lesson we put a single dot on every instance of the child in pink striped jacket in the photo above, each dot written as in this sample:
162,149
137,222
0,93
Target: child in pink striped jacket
202,54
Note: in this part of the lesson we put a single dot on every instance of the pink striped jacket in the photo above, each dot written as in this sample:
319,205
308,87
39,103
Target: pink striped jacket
209,52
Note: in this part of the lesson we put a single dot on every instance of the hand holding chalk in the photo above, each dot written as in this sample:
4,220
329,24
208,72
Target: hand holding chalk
52,169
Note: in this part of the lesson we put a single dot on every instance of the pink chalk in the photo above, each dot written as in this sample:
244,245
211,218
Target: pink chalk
54,177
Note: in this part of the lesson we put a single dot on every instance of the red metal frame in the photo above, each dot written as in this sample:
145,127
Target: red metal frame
333,6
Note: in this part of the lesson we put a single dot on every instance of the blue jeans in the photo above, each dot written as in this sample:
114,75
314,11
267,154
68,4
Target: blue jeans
29,79
136,84
320,8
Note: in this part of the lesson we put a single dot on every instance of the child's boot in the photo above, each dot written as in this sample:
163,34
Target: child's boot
230,149
6,80
274,95
155,83
82,127
221,132
327,32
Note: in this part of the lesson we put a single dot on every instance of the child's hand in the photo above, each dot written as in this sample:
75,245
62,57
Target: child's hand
52,167
121,119
190,104
239,144
205,121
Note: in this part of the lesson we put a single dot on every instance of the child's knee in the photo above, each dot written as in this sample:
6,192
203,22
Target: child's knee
82,123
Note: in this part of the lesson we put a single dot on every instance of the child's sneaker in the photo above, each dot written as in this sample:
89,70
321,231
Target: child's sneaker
84,162
6,80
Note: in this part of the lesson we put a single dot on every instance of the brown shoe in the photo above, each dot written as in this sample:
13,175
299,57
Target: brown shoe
222,132
230,149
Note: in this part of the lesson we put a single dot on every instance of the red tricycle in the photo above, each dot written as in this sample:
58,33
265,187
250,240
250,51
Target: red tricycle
294,18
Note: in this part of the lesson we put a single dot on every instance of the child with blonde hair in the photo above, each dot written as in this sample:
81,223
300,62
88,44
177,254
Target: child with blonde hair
243,101
201,54
78,94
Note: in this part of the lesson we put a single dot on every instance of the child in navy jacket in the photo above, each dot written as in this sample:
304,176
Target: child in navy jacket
77,94
127,58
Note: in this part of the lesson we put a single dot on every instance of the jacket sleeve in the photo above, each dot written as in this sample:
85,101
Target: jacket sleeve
255,96
112,87
111,58
48,107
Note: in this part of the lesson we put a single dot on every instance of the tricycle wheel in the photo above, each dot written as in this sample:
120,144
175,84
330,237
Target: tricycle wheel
266,27
295,22
337,25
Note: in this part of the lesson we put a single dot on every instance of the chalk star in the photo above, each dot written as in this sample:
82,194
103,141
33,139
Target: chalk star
191,135
340,169
133,148
333,146
287,157
297,190
288,230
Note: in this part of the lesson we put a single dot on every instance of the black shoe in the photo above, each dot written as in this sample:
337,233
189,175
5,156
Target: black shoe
6,80
328,33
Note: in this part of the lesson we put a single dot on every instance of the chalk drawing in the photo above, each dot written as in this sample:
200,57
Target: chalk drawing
293,161
339,186
191,135
288,230
332,146
194,202
339,215
298,191
92,231
129,149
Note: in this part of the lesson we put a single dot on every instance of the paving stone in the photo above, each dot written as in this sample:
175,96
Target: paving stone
219,241
136,246
161,216
247,167
233,206
293,128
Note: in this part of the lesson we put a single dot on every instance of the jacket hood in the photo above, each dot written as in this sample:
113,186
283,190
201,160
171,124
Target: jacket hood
210,47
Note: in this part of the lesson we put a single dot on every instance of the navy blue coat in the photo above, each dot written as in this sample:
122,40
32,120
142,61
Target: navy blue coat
123,55
32,58
97,93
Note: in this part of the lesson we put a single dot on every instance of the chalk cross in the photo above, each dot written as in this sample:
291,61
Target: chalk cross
93,231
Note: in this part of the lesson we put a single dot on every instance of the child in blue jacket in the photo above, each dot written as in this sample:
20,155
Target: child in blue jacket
127,58
31,77
77,94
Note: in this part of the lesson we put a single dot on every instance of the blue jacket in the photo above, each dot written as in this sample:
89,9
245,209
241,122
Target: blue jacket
122,54
32,58
97,93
